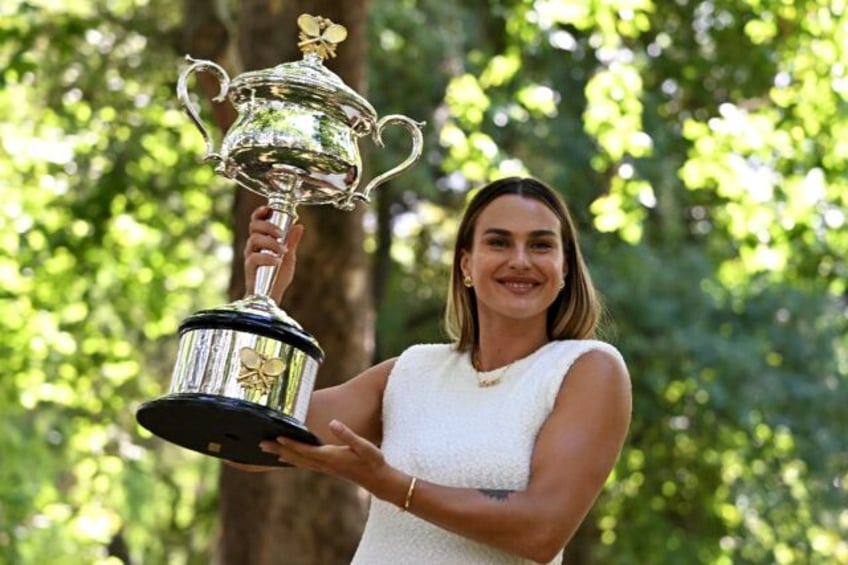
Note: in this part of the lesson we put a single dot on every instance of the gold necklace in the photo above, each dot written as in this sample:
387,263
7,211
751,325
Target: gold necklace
486,383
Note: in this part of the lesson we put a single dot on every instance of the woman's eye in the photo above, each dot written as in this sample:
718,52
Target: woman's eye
542,245
497,242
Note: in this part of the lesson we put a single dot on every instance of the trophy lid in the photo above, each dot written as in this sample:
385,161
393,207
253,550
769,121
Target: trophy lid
308,81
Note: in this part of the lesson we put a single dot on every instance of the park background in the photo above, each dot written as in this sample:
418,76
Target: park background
701,145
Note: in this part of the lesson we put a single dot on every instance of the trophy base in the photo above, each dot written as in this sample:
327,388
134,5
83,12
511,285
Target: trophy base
222,427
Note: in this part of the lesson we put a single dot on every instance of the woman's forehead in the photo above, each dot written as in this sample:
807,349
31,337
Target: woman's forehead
514,213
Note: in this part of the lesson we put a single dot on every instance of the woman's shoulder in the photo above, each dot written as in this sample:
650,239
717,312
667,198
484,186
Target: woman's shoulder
438,350
599,361
427,356
579,347
566,353
422,359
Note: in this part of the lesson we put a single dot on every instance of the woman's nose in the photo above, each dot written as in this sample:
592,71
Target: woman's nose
519,258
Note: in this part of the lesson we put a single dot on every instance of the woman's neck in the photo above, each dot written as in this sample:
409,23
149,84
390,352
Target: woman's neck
501,344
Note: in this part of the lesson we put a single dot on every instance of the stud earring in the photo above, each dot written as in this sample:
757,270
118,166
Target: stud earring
562,284
466,280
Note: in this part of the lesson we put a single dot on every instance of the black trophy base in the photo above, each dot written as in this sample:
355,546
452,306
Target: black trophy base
220,426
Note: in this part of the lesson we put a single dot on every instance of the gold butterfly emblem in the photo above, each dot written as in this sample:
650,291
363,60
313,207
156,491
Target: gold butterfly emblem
257,371
319,35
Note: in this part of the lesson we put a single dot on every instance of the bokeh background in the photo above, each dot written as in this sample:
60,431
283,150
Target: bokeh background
701,145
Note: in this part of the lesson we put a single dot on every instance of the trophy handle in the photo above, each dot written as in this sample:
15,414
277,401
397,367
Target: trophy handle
182,94
414,129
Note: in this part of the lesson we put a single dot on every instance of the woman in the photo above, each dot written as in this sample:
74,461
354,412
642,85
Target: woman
494,447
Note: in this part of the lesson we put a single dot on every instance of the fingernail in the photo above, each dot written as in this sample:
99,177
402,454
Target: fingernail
335,425
264,446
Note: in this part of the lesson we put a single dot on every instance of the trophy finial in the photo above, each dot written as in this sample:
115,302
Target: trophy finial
319,35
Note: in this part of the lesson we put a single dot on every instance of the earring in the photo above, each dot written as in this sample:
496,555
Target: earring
562,284
466,280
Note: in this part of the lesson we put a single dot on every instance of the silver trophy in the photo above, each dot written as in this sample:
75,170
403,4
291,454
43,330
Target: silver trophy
245,371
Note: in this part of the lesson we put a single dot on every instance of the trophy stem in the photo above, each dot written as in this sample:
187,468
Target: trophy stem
283,215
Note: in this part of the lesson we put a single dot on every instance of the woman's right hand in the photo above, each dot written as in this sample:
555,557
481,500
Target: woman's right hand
265,248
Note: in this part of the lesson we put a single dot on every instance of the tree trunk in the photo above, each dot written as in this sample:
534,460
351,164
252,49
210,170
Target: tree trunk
293,516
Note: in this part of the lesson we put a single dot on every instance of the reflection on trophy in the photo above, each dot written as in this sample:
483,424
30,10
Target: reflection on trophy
245,371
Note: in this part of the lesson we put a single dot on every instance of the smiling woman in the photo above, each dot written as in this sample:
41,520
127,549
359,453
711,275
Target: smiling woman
495,446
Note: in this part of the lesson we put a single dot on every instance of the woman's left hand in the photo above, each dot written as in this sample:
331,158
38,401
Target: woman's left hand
354,458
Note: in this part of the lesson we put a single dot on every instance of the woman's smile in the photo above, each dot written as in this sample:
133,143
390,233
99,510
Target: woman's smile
518,285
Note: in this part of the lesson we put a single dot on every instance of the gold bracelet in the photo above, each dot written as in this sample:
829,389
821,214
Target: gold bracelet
409,492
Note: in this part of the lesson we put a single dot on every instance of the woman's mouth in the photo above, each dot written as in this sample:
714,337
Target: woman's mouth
519,285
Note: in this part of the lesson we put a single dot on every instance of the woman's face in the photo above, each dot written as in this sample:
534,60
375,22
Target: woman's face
516,260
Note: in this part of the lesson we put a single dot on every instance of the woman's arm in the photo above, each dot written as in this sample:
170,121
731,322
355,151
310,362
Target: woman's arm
357,402
574,453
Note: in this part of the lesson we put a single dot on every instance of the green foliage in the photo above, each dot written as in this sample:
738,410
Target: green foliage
736,434
700,145
111,234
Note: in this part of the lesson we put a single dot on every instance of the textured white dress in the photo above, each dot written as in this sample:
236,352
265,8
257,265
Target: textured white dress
441,427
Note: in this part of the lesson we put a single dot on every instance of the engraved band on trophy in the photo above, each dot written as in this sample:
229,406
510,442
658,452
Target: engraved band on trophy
245,371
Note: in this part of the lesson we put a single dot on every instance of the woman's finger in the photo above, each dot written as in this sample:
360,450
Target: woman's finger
255,260
289,250
297,454
261,213
262,242
263,227
293,239
359,445
276,449
248,467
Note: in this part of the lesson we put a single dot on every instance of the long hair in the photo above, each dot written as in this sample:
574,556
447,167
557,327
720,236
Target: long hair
576,311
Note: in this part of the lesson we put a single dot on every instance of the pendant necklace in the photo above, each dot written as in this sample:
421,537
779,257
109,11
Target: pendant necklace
483,382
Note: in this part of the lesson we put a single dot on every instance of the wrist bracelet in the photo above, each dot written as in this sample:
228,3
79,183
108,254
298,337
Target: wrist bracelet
409,492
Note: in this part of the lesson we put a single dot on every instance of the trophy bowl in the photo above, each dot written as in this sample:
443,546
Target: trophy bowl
245,371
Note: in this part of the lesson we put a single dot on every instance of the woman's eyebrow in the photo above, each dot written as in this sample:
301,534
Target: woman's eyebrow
543,233
534,233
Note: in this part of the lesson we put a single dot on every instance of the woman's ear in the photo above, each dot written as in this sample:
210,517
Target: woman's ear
464,260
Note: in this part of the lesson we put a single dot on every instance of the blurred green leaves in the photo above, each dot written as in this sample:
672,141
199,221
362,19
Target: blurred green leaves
700,145
111,234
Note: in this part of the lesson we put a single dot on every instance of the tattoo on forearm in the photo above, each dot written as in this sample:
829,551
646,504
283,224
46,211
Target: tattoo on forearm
497,494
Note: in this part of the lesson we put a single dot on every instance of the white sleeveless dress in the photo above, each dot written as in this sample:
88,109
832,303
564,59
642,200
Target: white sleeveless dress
440,426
